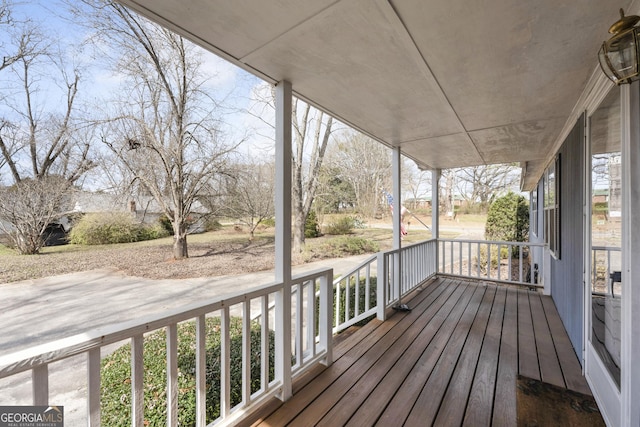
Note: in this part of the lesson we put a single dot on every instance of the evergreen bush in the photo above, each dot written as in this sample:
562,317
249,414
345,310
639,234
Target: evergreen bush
362,289
109,228
340,226
311,226
508,219
347,245
116,374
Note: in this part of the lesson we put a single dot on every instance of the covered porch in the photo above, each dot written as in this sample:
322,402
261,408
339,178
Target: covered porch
446,84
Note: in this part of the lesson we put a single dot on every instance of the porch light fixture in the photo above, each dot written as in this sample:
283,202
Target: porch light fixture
619,55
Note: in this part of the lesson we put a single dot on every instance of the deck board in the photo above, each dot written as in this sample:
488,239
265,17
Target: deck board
378,399
504,404
527,351
550,371
403,401
391,344
426,407
480,401
571,369
390,362
457,393
452,360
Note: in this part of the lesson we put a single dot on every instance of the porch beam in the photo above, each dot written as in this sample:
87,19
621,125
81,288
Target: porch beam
283,237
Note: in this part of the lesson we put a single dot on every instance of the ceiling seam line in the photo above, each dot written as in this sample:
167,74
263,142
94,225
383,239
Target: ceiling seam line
426,65
288,30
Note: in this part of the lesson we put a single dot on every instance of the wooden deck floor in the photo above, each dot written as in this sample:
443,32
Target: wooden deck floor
453,360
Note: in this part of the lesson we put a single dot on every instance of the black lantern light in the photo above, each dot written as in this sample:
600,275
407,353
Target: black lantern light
619,55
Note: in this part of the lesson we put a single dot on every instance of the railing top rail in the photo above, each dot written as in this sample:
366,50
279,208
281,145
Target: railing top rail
29,358
357,268
494,242
419,243
413,245
606,248
309,275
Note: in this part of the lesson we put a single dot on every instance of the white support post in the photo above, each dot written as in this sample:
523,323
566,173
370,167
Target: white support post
397,222
283,237
435,211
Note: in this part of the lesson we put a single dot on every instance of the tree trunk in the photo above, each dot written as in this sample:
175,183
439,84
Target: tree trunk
298,232
180,246
179,238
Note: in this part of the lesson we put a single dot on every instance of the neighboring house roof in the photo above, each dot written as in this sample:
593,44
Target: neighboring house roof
90,202
94,202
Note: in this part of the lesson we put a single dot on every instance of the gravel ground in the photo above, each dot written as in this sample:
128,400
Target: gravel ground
144,259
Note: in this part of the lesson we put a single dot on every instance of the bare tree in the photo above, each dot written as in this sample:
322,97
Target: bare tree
366,165
482,184
164,132
39,147
20,36
311,127
418,183
30,206
312,130
249,195
446,191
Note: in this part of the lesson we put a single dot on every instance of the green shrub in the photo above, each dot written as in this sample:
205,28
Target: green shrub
508,219
373,293
342,225
116,374
347,245
352,298
109,228
311,226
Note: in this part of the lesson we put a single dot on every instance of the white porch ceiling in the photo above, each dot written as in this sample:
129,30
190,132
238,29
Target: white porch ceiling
452,82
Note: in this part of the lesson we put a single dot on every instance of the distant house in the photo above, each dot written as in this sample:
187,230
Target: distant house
145,208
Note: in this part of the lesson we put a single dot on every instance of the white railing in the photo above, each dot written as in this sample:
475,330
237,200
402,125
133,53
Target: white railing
355,295
309,338
404,270
606,262
508,262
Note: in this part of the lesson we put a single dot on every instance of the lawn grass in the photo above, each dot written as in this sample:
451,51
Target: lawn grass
383,236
